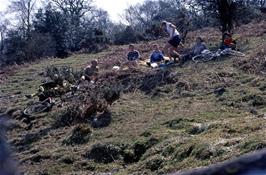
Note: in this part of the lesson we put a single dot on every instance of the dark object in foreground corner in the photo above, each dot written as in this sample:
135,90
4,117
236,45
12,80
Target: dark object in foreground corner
250,164
7,164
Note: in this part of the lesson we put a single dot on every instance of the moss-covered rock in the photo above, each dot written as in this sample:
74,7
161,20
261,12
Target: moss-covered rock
202,151
105,153
79,135
154,163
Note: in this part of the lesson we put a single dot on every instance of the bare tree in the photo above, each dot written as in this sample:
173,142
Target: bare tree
24,10
3,30
74,9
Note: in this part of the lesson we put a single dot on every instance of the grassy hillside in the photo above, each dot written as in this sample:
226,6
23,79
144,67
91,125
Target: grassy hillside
174,127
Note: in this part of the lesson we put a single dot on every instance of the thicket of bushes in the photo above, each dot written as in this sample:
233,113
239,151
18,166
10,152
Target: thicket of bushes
58,29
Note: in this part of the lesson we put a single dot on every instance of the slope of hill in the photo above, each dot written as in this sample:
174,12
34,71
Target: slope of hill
173,127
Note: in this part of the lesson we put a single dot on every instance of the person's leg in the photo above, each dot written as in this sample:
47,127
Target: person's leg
174,53
166,49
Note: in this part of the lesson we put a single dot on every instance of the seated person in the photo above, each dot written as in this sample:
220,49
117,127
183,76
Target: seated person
91,71
198,47
195,50
132,57
133,54
228,42
156,55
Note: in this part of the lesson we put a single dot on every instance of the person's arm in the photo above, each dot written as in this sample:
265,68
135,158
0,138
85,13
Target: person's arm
128,56
174,28
151,57
139,56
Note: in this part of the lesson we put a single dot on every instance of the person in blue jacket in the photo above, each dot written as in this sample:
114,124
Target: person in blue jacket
157,55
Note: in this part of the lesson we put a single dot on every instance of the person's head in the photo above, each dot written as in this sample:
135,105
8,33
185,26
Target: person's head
199,40
58,79
131,47
163,24
226,36
94,63
156,47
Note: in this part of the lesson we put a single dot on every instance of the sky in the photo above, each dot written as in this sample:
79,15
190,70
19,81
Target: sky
114,7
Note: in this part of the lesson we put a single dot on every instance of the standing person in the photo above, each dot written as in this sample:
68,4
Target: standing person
170,48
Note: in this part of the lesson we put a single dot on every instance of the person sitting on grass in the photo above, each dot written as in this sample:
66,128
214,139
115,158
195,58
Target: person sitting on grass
228,42
132,54
197,49
132,57
157,55
91,71
174,41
